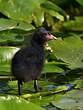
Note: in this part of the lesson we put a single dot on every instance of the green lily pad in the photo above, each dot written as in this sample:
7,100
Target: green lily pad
69,50
13,103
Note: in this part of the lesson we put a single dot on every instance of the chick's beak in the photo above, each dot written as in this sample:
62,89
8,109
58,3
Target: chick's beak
51,37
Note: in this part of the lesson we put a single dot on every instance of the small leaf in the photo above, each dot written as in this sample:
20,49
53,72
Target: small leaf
51,67
6,24
49,6
6,54
80,2
38,16
75,25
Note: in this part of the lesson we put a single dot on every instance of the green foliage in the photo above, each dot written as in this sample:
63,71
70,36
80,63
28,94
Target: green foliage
18,19
74,25
52,67
8,24
69,50
70,101
80,1
19,10
8,102
6,54
54,10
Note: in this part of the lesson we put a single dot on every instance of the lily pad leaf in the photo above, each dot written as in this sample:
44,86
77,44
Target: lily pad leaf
13,102
69,50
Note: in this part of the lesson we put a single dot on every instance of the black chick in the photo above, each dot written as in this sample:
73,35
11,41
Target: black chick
28,62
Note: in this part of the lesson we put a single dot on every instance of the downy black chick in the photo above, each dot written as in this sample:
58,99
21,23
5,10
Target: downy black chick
28,62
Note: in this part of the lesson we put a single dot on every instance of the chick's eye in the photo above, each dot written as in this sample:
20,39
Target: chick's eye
44,34
49,34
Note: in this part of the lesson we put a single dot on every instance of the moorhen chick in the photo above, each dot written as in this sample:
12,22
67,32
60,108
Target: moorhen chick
28,62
